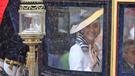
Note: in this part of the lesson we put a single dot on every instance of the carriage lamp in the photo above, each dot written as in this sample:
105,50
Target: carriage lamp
32,30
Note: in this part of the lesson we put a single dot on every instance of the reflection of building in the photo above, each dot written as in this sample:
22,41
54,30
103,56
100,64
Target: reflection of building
58,32
57,38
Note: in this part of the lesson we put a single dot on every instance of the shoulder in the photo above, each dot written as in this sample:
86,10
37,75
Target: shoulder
76,50
75,47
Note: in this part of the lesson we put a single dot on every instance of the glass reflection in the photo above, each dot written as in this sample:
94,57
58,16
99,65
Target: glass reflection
64,34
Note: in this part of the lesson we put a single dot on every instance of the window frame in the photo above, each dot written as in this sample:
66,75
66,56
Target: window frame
106,37
117,37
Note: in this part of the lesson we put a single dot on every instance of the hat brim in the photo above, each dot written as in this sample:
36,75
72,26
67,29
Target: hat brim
86,22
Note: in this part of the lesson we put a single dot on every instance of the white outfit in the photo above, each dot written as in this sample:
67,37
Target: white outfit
79,60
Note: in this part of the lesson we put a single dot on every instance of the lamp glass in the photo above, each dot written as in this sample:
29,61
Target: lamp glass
31,23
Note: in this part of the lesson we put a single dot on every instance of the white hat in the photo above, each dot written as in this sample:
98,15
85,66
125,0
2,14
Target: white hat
87,21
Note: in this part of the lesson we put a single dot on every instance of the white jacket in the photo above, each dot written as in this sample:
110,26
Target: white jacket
79,60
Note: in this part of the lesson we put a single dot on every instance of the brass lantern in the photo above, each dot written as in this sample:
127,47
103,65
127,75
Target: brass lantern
32,30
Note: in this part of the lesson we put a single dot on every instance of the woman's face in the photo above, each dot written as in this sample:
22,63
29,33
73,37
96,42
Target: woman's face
91,31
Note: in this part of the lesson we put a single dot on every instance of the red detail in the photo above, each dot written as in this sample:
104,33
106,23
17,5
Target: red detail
3,5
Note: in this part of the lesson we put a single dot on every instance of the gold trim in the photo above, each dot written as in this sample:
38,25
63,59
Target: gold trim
12,62
113,70
125,0
32,7
113,38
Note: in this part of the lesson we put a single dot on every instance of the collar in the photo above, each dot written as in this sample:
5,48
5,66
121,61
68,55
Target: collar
82,42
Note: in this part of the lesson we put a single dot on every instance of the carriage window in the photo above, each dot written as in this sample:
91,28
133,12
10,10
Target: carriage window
129,40
126,40
74,36
129,23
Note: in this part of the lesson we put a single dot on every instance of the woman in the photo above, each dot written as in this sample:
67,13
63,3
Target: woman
83,54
